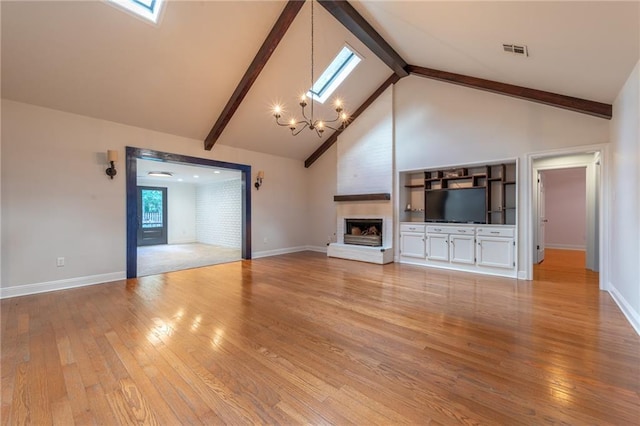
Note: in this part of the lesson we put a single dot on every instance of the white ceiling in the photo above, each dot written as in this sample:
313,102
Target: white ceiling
90,58
581,49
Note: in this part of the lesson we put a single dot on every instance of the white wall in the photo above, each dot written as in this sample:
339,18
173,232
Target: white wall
625,208
181,210
57,200
219,213
365,166
321,214
566,208
440,124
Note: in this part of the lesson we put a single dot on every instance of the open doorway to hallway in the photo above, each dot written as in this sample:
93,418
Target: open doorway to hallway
565,211
202,206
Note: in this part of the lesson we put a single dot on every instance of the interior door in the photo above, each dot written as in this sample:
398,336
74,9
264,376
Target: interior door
152,215
542,219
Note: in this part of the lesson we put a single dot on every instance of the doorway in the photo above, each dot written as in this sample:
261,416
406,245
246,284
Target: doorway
135,204
152,216
588,162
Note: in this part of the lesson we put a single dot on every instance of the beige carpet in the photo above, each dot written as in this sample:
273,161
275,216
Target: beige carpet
175,257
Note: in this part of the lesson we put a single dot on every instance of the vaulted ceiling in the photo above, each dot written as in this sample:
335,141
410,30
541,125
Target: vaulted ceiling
176,77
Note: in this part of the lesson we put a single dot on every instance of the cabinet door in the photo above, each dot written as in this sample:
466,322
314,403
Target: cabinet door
438,247
496,252
412,244
462,249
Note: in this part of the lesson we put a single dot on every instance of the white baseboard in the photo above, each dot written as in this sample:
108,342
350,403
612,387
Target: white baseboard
276,252
632,316
522,275
566,246
23,290
319,249
182,241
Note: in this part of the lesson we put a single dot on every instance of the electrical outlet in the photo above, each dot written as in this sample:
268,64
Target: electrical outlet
60,262
265,240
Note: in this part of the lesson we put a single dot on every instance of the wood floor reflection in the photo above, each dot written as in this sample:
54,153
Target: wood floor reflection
302,338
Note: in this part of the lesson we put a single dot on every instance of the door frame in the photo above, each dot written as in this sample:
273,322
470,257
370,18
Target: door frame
538,219
133,154
602,188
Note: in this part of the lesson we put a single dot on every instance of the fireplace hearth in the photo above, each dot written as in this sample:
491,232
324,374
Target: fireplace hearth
363,232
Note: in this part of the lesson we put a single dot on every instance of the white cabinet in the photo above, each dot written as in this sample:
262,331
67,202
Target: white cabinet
496,247
412,244
496,252
451,244
412,241
488,249
438,247
462,249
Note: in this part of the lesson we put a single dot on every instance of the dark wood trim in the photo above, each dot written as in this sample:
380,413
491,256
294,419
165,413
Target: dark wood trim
133,154
251,75
131,174
334,136
354,22
383,196
583,106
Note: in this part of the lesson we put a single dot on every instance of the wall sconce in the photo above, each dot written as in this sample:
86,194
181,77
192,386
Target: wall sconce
112,157
259,178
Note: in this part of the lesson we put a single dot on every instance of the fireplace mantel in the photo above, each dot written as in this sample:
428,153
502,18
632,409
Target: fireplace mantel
383,196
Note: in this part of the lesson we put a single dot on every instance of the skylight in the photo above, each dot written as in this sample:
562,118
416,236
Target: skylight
147,9
335,74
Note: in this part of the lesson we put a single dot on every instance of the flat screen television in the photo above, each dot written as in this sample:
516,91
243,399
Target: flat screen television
461,205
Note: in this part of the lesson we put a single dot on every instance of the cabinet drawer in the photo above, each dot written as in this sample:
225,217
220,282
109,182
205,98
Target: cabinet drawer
495,232
438,229
460,230
411,228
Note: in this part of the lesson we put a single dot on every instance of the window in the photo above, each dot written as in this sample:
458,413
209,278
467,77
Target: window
335,74
148,9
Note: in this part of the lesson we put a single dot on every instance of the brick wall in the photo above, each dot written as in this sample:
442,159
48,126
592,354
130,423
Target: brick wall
219,213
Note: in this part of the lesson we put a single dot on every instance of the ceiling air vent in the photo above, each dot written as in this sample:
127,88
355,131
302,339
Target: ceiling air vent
516,49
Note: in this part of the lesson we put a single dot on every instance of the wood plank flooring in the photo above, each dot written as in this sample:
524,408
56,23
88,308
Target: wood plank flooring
306,339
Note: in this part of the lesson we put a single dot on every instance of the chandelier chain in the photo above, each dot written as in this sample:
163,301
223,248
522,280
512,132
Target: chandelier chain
319,126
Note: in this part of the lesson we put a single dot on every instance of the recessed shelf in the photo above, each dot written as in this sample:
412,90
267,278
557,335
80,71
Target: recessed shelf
462,187
414,186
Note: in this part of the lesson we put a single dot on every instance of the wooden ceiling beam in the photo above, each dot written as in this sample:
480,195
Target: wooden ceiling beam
354,22
334,136
583,106
250,76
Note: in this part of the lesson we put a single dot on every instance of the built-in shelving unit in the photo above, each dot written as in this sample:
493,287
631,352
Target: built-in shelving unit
499,181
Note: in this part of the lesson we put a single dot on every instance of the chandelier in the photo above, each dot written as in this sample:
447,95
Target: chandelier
311,122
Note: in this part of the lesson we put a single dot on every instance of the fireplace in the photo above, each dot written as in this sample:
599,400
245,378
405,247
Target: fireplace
363,232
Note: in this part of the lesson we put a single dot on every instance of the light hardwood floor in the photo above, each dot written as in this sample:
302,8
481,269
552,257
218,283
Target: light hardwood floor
303,338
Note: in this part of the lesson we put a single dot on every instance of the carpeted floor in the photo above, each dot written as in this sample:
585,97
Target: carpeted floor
174,257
